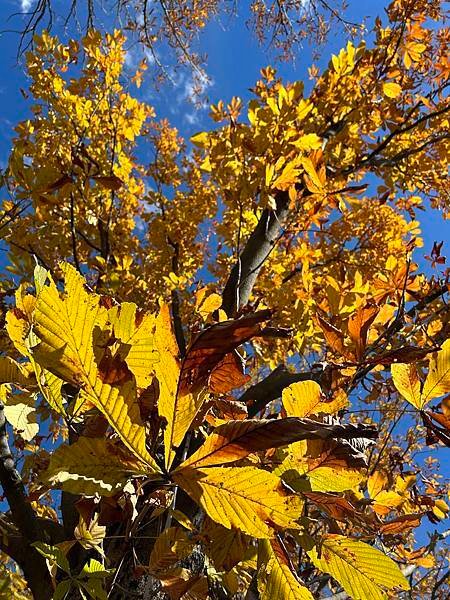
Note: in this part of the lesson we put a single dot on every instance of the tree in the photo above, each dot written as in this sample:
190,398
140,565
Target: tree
183,432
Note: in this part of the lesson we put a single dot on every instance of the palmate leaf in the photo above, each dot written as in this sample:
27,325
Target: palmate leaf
364,572
176,407
90,466
245,498
65,326
275,577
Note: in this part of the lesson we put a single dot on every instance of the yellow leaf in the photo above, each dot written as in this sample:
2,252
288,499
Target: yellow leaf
66,327
209,305
200,139
135,330
90,535
21,414
304,398
392,90
437,382
407,382
178,409
364,572
275,578
244,498
91,466
170,547
13,372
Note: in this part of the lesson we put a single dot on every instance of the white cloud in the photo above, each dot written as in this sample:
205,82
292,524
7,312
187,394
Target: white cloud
25,5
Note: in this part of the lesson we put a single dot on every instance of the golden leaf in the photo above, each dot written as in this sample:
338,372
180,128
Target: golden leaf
437,382
91,466
406,380
275,577
66,327
364,572
244,498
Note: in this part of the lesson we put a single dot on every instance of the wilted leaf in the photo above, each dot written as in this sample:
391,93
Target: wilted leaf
210,346
401,524
236,439
110,182
244,498
335,506
358,327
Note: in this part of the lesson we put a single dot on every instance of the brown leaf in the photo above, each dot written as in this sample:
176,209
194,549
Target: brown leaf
58,184
358,326
335,506
113,369
405,354
438,427
228,374
401,524
110,182
210,346
237,439
334,338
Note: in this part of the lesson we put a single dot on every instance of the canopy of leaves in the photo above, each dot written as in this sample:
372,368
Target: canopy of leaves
143,375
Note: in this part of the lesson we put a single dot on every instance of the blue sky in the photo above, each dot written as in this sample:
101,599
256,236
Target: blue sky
234,62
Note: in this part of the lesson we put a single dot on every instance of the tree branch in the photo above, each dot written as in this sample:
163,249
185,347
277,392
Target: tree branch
23,516
271,388
258,247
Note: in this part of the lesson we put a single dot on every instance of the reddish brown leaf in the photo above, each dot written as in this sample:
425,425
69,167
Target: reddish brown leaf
334,338
438,427
111,182
228,374
237,439
335,506
405,354
210,346
58,184
113,369
358,326
401,524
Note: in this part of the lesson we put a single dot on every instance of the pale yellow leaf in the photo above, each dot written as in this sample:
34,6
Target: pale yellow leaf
244,498
21,414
